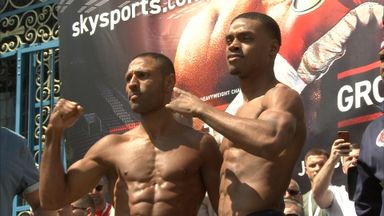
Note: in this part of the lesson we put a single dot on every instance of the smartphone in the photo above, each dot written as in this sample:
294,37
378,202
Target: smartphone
345,136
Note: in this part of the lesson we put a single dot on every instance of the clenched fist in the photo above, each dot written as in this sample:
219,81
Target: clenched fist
185,103
65,114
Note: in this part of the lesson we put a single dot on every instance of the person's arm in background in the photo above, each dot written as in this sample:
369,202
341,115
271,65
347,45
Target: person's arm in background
321,193
29,179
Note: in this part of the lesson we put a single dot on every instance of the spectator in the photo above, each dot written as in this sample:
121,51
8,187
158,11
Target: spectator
369,194
293,208
99,195
334,199
313,160
18,173
293,192
83,206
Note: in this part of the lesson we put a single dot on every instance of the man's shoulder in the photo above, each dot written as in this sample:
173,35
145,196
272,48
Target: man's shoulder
337,189
11,142
7,135
197,137
282,97
374,133
112,140
282,90
306,195
377,124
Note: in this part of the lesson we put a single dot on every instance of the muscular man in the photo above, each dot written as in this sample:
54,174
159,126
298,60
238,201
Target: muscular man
303,23
334,199
264,138
161,167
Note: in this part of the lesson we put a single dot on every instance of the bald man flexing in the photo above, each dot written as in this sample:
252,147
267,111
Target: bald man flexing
161,167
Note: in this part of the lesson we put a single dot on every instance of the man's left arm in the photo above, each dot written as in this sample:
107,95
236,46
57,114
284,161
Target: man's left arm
211,168
275,126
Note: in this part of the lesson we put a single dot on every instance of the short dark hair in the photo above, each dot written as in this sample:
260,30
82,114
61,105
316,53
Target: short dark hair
355,146
165,63
317,152
267,21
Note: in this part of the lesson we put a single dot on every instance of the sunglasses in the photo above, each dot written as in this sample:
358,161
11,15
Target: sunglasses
79,208
99,188
293,192
291,215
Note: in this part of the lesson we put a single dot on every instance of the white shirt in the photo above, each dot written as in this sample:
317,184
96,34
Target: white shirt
341,205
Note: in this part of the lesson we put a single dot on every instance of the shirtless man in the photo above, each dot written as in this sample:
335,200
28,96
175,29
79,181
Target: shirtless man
302,23
161,167
264,138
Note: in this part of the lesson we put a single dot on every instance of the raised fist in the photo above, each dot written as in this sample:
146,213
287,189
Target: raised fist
65,114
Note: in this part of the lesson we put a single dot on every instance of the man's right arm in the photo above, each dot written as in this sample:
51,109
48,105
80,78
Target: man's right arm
321,193
281,117
58,188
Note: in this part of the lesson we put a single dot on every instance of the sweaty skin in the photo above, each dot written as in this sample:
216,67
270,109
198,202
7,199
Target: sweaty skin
264,138
255,180
158,168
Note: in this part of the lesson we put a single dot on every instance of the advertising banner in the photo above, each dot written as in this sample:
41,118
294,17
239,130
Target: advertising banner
329,54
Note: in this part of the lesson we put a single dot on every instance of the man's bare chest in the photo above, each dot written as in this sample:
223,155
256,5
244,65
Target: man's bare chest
149,162
251,110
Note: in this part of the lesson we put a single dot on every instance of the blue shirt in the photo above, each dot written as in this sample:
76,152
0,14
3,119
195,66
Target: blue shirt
369,194
18,173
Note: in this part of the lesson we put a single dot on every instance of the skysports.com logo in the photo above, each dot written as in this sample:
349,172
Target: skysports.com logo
89,24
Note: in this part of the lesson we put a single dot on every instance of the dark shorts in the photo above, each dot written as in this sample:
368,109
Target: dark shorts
269,212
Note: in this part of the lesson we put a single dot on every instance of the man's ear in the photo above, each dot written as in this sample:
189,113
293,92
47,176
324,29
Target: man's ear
170,81
275,47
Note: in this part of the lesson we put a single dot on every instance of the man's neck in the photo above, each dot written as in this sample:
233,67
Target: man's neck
256,86
157,123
